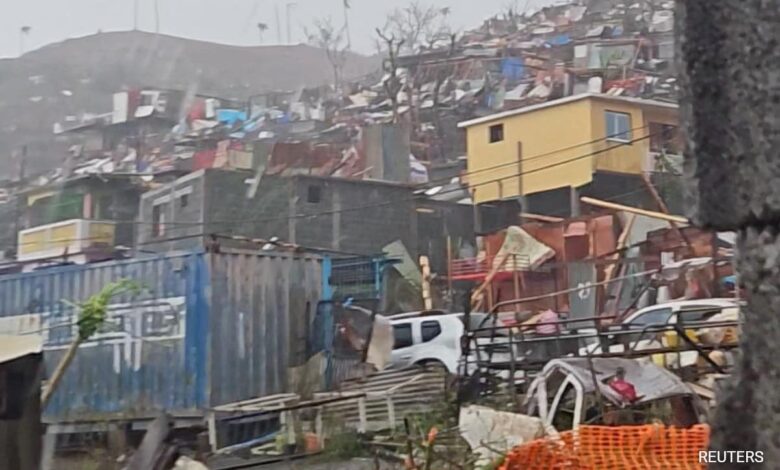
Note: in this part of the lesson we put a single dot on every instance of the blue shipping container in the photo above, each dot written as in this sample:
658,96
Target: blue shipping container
208,329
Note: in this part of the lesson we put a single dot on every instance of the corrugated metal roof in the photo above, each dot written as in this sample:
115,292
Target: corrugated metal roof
566,100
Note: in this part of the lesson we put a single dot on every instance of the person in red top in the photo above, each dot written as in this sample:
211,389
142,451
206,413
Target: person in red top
624,388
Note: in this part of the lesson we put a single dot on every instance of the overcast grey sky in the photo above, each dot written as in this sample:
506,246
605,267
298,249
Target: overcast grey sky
224,21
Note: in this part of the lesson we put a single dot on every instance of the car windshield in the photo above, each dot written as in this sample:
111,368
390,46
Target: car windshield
486,325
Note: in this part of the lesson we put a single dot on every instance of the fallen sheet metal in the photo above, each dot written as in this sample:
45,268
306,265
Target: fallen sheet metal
526,251
381,400
381,345
491,433
652,382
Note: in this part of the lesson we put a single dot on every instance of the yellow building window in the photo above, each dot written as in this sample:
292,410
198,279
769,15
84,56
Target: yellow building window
618,126
496,133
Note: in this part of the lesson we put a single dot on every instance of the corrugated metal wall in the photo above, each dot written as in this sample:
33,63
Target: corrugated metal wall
261,309
231,316
145,360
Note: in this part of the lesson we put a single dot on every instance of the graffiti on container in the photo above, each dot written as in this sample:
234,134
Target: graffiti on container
129,328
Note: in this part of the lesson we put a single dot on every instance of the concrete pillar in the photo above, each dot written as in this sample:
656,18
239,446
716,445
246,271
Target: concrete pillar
336,220
574,201
292,220
729,54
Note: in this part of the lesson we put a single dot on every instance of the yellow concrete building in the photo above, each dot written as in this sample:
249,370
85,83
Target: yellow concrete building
561,143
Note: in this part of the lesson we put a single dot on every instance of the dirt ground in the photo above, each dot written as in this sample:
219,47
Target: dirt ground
318,464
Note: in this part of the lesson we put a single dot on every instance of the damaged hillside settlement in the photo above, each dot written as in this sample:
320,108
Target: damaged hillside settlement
471,257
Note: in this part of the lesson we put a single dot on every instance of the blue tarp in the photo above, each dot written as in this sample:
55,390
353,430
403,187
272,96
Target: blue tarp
512,68
230,116
560,40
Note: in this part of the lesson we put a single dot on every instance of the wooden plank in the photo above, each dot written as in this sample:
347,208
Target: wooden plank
272,400
476,297
449,265
153,445
635,210
391,412
318,429
425,266
362,411
610,270
541,218
212,424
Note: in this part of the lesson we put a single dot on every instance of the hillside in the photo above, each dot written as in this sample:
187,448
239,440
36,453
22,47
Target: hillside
79,75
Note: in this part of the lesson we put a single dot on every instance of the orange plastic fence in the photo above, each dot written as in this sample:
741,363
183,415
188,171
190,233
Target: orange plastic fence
615,448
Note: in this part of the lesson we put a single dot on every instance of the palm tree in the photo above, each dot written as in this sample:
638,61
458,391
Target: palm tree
262,28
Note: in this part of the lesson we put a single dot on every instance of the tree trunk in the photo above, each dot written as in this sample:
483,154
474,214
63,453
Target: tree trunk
730,108
59,372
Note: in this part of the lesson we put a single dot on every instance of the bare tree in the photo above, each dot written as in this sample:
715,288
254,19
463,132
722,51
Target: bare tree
333,41
392,82
442,73
418,25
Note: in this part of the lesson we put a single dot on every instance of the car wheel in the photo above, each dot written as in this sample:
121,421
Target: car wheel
430,364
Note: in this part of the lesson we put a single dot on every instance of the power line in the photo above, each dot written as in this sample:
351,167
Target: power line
374,205
349,209
536,157
385,203
402,200
615,198
618,197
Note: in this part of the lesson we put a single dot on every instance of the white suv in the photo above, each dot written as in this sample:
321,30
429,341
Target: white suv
430,339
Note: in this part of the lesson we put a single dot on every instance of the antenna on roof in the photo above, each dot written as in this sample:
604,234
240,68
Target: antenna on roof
290,7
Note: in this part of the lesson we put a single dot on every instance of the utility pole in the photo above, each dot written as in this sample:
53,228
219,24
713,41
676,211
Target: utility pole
290,6
278,24
157,16
346,23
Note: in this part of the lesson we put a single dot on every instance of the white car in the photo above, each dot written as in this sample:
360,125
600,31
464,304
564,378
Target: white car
672,312
685,311
421,339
